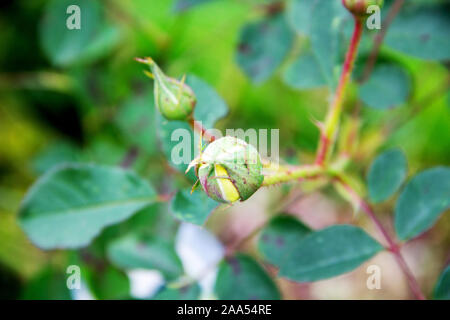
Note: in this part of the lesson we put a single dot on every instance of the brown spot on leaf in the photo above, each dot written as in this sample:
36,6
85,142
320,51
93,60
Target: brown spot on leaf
424,37
244,48
184,290
235,266
279,241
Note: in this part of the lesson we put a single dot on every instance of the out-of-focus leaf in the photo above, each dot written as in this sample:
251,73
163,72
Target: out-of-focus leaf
182,5
210,106
299,15
50,284
68,206
152,220
421,202
280,236
442,288
304,73
387,87
386,174
263,46
242,278
141,251
177,143
326,18
55,154
188,292
327,253
421,31
136,119
104,149
110,284
193,208
65,46
18,253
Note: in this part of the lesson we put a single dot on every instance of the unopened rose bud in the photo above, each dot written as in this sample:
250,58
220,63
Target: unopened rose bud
229,170
173,98
359,7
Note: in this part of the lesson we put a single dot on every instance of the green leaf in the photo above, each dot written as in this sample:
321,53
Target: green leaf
421,202
188,292
68,206
183,5
386,174
242,278
442,289
64,46
193,208
299,15
327,253
326,19
54,154
304,73
430,39
50,284
210,106
263,46
280,236
136,119
178,144
104,149
387,87
110,284
142,251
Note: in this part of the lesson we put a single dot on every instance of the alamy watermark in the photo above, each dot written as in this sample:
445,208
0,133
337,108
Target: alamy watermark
374,20
374,280
262,139
74,278
73,22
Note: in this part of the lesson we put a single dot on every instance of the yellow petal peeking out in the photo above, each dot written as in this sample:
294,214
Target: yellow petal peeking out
226,170
228,190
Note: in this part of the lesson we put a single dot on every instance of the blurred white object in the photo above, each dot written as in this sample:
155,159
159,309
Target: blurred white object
81,294
200,252
144,283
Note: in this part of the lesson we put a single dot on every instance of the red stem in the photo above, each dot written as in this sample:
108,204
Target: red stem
393,246
197,126
322,151
328,133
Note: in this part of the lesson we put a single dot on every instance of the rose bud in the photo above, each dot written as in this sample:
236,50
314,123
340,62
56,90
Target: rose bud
229,170
173,98
359,7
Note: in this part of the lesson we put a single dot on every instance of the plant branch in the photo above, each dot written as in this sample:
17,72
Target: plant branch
294,173
130,157
368,68
197,127
331,126
392,245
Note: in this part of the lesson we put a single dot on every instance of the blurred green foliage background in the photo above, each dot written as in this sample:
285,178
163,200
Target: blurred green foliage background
84,98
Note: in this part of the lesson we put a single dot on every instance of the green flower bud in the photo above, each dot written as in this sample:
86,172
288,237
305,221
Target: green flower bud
229,170
173,98
359,7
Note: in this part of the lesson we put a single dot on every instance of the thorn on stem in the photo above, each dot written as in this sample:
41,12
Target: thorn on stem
146,60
